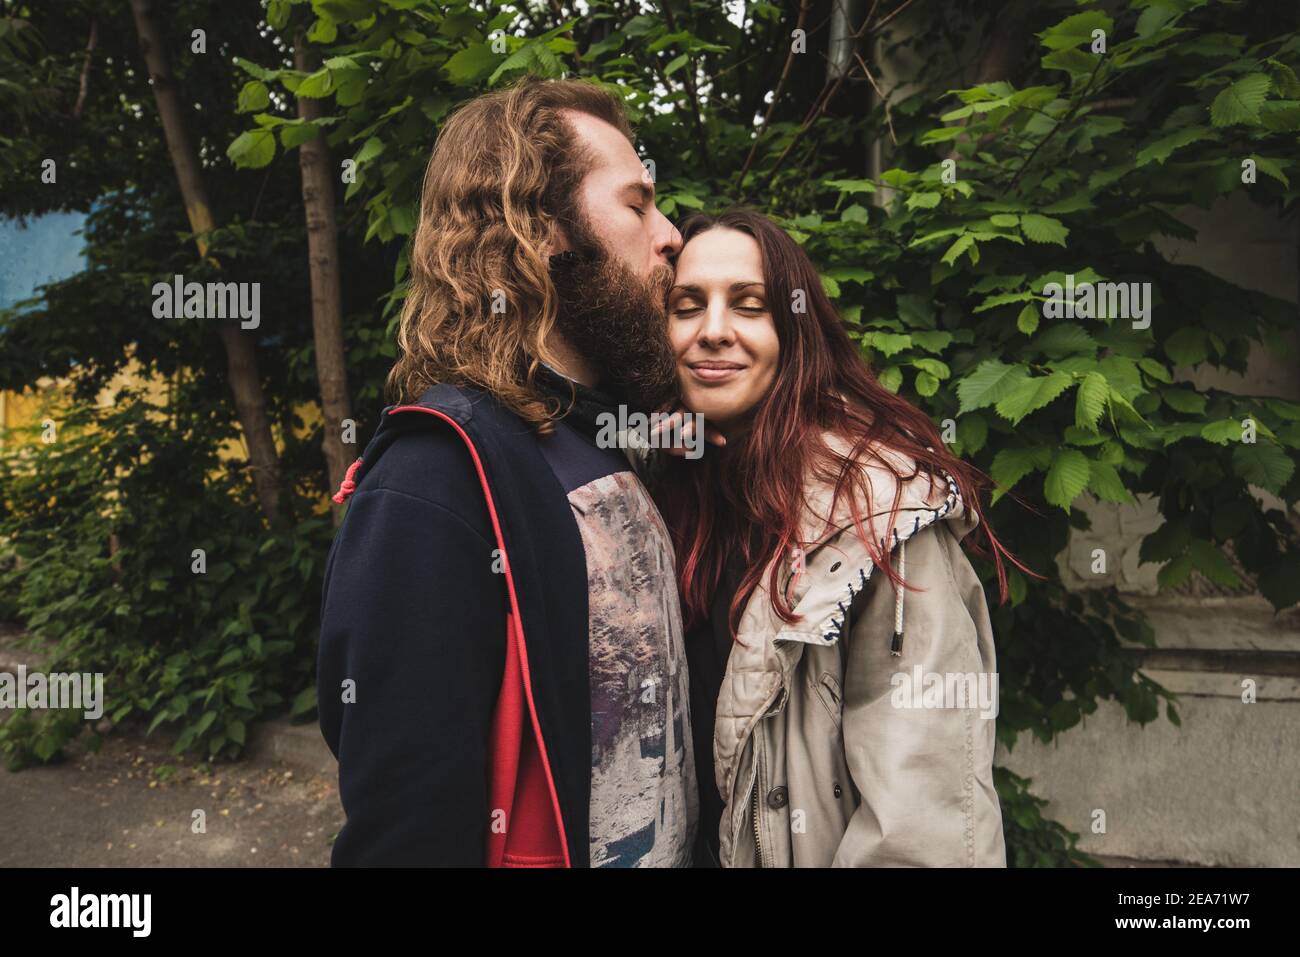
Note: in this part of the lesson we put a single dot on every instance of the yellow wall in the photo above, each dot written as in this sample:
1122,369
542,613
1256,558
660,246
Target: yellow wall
26,409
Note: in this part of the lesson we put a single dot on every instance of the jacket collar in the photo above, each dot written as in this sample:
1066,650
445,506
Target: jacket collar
835,563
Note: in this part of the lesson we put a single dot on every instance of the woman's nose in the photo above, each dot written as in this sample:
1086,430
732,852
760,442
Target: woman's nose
717,324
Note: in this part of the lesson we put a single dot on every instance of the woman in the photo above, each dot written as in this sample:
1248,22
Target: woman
833,745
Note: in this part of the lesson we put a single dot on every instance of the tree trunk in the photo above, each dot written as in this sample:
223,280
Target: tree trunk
241,358
326,294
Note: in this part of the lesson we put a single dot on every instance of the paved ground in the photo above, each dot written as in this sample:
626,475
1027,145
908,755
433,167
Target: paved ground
132,804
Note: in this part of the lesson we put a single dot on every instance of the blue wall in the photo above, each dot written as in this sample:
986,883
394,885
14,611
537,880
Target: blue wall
48,248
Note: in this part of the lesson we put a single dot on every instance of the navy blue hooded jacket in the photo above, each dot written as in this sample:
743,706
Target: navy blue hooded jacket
453,677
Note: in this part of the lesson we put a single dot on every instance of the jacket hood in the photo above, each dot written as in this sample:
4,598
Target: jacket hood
837,562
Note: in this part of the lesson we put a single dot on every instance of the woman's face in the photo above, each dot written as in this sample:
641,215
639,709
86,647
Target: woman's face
721,327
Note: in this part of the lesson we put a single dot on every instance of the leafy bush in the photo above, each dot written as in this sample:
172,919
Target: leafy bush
105,522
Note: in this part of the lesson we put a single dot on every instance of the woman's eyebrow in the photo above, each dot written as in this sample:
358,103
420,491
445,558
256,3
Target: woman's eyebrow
734,287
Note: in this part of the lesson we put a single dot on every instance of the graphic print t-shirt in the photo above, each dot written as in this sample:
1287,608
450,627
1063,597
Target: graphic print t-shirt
644,806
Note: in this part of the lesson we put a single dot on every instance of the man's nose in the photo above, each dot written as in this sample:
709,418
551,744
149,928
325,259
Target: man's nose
668,241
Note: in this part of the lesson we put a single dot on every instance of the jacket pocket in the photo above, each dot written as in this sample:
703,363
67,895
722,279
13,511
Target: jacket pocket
828,692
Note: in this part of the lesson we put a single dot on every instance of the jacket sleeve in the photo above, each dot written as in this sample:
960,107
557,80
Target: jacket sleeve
413,632
924,774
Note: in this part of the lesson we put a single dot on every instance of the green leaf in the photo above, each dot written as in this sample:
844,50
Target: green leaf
254,96
372,147
1076,29
1240,102
891,378
1160,150
1027,321
1009,466
855,213
1106,484
472,64
1003,299
1263,464
1090,402
1154,369
962,244
851,185
926,384
991,381
1184,400
1168,541
1043,229
936,368
1213,564
317,86
296,134
254,70
1032,394
1176,572
1187,346
886,343
1280,583
1222,432
923,200
972,433
252,149
204,722
1067,478
1272,168
1064,339
303,702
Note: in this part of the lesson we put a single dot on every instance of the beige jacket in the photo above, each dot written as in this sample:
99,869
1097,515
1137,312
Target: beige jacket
829,750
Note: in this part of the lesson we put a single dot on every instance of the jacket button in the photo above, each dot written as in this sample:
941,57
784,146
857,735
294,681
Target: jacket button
838,790
776,797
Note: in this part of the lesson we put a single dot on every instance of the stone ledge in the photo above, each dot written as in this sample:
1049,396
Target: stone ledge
300,746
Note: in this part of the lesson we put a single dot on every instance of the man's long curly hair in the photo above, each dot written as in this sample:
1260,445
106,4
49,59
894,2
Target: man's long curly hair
504,171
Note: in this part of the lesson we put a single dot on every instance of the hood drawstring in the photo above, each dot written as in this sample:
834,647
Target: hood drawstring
896,646
348,486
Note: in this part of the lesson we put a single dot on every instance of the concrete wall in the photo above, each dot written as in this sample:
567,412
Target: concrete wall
1224,788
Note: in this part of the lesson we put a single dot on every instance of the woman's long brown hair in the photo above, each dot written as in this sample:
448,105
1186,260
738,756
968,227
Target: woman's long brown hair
749,500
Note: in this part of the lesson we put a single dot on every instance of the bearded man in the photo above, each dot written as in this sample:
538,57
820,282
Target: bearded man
501,670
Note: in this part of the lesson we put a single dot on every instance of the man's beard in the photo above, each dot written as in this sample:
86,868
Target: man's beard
617,321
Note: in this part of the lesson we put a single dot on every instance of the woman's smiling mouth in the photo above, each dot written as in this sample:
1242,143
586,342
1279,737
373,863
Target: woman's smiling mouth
715,370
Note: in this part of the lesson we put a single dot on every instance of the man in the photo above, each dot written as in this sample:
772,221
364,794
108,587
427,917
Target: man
501,670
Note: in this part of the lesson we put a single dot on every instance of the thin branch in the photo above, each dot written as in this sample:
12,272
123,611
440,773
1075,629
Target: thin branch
1116,103
776,96
880,93
819,107
690,92
885,21
1055,129
85,69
